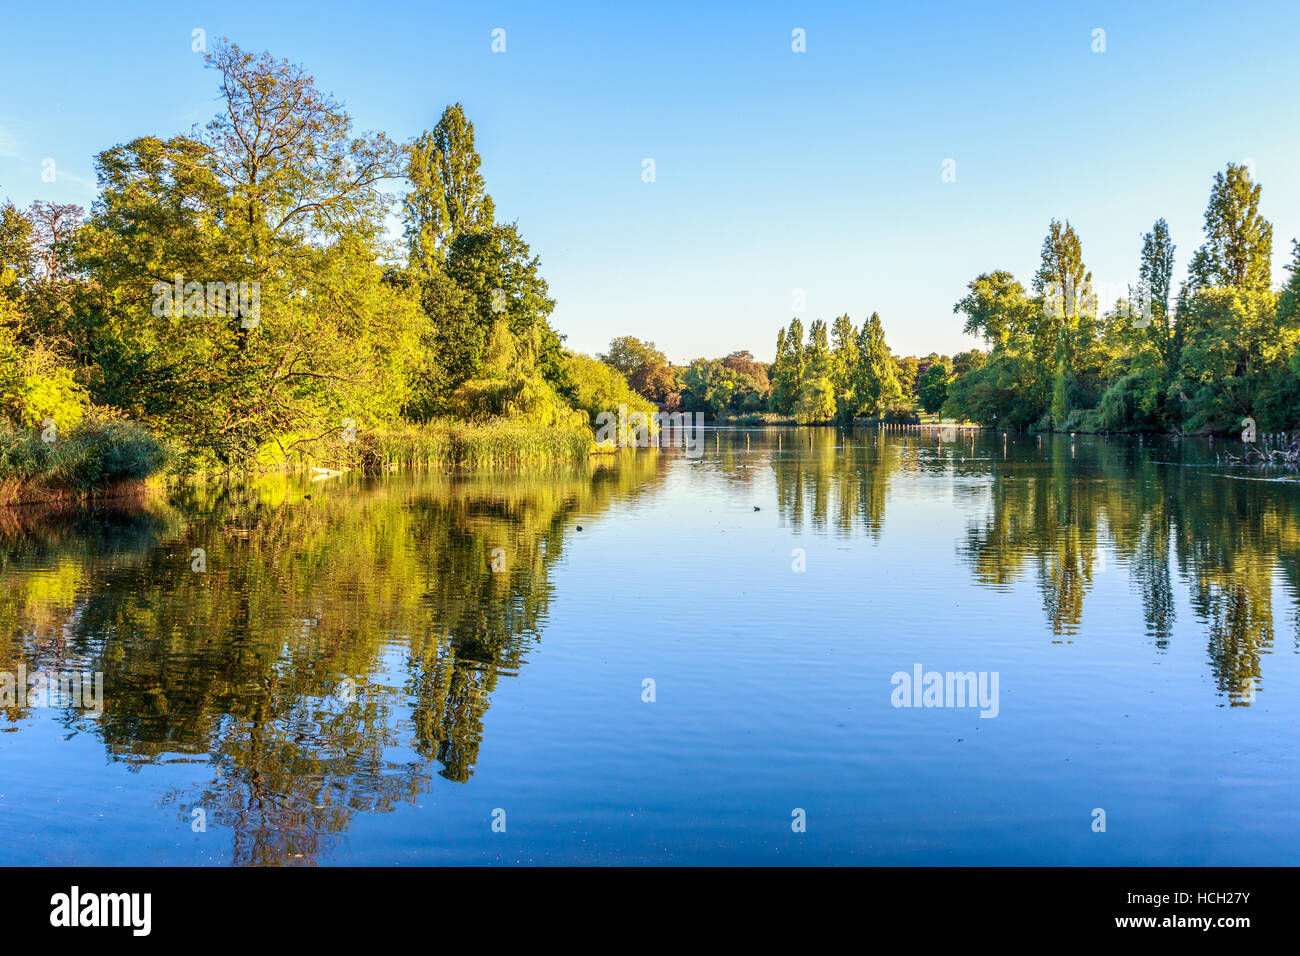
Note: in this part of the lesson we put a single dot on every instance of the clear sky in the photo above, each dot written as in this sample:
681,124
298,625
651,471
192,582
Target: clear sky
775,170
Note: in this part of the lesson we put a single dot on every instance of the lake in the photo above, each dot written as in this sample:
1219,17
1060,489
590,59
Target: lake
669,659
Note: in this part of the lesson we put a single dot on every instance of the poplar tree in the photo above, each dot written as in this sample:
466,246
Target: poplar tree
1238,249
448,197
875,385
845,356
787,370
1156,274
1063,284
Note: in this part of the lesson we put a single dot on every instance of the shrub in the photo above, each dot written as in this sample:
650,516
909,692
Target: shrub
100,453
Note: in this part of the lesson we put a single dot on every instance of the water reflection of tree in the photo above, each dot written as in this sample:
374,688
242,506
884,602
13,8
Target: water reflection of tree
1050,511
836,479
321,630
1225,538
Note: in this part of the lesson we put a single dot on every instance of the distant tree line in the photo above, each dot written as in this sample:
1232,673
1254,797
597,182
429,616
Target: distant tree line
832,375
1220,349
1202,358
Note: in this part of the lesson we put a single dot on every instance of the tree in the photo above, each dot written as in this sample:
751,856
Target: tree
1234,346
645,367
627,353
509,384
964,362
816,401
16,265
469,269
875,386
276,191
53,225
906,369
844,353
1238,248
703,387
495,268
599,387
1064,286
1061,265
448,196
932,387
743,362
787,369
1288,306
288,162
654,381
1156,275
995,306
36,380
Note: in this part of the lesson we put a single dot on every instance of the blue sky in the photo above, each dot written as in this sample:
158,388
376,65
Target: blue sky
775,170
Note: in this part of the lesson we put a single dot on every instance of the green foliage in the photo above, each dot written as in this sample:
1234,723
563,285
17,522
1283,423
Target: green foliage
1223,351
837,374
932,387
232,289
448,197
1008,391
906,370
1238,245
645,367
35,386
98,454
599,387
787,369
1232,349
899,413
875,384
1123,406
627,354
497,444
816,400
1156,272
743,363
1060,403
715,386
964,362
498,272
279,192
510,385
995,307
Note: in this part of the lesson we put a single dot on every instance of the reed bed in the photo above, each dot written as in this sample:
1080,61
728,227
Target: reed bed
493,445
100,457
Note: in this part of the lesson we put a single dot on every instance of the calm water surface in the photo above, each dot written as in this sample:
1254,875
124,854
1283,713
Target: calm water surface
363,678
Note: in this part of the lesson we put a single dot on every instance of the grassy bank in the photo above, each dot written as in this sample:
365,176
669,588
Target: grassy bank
493,445
752,419
98,458
114,457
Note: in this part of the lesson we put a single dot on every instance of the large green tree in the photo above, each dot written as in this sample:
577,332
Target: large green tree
279,198
875,385
1238,248
1155,275
448,197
